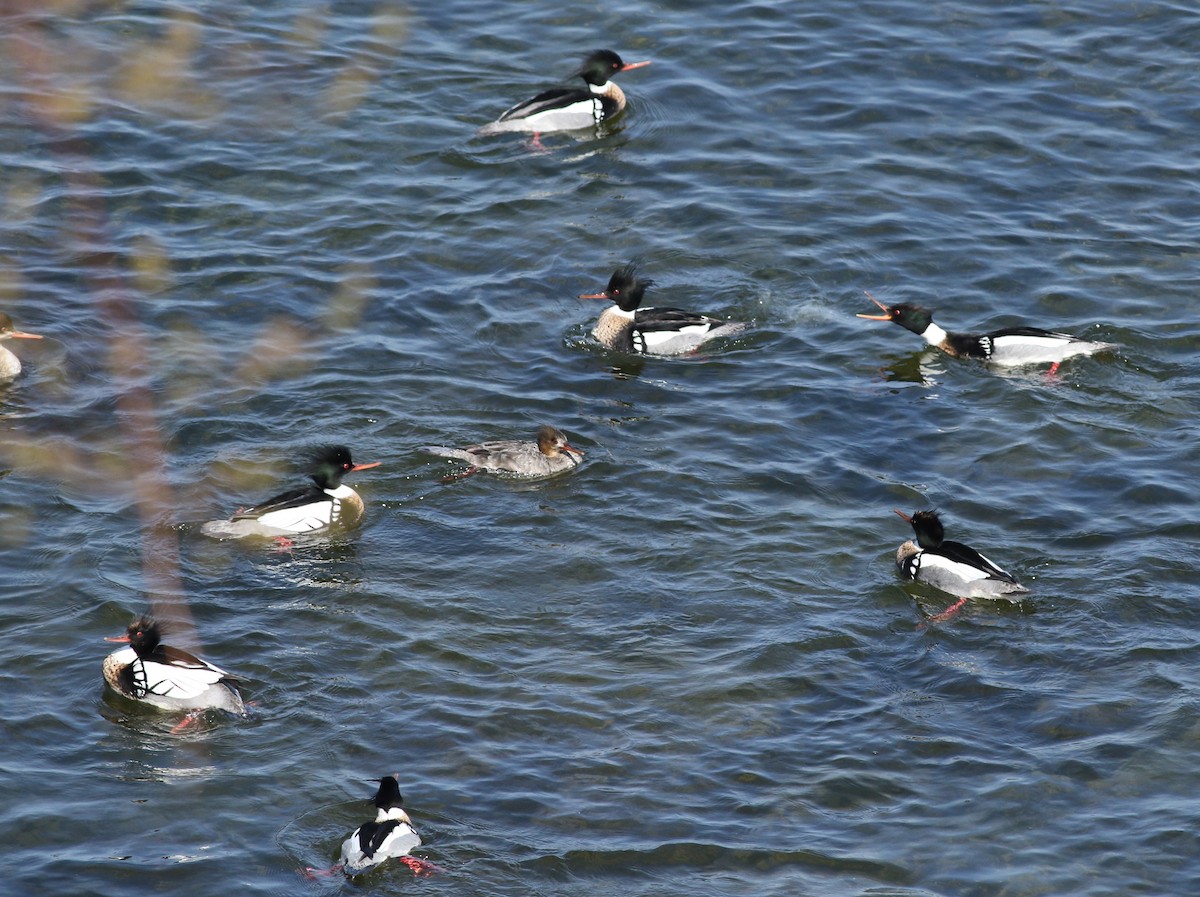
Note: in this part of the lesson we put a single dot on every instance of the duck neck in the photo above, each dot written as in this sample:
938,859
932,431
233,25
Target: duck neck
934,335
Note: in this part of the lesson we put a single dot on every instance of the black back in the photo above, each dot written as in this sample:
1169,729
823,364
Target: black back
293,498
371,835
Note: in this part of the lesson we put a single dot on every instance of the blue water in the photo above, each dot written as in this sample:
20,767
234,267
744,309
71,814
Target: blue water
688,668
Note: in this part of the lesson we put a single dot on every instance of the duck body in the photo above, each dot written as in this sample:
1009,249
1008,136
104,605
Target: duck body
568,109
1008,347
627,327
168,678
951,566
10,365
389,834
551,454
322,505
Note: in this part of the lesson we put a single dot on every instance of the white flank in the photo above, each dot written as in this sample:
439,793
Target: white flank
933,564
1017,350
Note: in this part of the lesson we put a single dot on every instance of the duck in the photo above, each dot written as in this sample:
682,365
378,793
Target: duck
626,327
10,365
169,678
570,108
325,504
549,455
1009,347
390,834
951,566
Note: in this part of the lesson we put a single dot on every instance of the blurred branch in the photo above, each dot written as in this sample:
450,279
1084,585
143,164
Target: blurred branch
38,62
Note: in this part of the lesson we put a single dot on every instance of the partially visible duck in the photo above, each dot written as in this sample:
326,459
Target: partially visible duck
570,108
951,566
627,327
549,455
10,365
165,677
1009,347
325,504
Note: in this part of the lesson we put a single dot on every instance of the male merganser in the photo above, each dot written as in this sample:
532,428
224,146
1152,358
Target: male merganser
325,504
1008,347
10,365
390,834
951,566
651,331
569,108
551,454
166,677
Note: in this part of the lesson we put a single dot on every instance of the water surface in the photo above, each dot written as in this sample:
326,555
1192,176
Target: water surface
689,667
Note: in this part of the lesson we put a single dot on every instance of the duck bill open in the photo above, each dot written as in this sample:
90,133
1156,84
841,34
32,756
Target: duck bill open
883,317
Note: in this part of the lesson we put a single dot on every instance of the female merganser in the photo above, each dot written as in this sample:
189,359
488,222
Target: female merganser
951,566
390,834
165,677
10,365
1009,347
551,454
651,331
568,108
325,504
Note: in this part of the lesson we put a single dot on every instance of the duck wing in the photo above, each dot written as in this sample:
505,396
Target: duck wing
294,498
650,320
965,554
546,101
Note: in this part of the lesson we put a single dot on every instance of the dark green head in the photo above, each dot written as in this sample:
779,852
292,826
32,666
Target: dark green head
910,317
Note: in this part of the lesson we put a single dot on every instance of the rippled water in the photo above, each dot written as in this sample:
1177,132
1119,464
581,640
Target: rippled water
689,668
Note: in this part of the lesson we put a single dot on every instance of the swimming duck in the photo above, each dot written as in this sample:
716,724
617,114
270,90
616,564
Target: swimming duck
390,834
569,108
549,455
626,327
10,365
951,566
325,504
165,677
1009,347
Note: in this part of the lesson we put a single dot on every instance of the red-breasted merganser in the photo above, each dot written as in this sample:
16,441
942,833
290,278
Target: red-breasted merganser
1008,347
651,331
389,834
550,455
153,673
10,365
951,566
325,504
569,108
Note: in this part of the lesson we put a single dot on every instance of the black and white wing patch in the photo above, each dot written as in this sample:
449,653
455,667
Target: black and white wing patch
374,842
171,673
962,554
294,498
554,100
653,327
